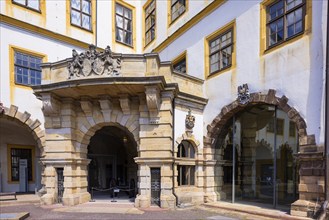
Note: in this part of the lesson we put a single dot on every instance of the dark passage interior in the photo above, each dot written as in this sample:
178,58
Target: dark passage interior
112,170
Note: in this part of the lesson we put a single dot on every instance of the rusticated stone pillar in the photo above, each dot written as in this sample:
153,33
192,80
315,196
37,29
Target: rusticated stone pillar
312,173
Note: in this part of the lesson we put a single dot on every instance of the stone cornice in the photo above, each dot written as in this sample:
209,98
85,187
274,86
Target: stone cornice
151,80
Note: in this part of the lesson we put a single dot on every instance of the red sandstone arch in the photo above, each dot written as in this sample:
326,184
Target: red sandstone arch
217,127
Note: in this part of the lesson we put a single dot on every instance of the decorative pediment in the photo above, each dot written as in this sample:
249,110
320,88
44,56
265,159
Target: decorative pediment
93,63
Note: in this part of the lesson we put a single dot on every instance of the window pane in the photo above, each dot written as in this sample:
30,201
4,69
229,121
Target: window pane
18,59
293,3
290,18
22,2
33,4
299,27
192,174
276,10
128,39
299,14
25,60
119,35
86,23
127,13
119,9
19,74
86,7
75,18
75,4
119,22
127,25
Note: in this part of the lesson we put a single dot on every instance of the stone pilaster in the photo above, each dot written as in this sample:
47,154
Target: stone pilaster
312,173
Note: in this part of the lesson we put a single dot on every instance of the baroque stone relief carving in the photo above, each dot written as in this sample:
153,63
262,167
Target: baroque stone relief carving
243,94
189,122
94,63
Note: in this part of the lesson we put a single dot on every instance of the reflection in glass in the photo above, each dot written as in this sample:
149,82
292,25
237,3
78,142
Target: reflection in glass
255,158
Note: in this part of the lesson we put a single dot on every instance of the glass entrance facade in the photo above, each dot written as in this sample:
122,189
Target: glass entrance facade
256,151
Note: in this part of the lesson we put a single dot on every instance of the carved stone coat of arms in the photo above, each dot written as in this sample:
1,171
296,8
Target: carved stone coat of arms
94,63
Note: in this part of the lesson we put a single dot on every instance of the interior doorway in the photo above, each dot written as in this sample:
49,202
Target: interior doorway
112,172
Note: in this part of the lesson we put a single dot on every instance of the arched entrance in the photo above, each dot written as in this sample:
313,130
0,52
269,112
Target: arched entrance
262,166
266,133
20,151
112,171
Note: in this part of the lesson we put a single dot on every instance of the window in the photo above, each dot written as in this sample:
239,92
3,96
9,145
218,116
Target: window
185,149
180,66
123,24
31,4
178,7
17,154
285,19
27,69
292,129
81,13
150,19
220,54
186,172
185,175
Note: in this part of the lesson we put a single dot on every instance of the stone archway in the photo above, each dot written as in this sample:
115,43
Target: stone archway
309,157
21,138
25,118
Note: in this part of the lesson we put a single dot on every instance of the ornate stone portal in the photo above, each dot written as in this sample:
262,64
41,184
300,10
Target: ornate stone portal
129,92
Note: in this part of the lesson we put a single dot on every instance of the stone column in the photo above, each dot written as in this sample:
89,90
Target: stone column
155,150
312,173
50,185
209,171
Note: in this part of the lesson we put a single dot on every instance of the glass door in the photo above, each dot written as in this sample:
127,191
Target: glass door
257,157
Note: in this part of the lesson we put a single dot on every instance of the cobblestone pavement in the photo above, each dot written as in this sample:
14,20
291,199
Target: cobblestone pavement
111,211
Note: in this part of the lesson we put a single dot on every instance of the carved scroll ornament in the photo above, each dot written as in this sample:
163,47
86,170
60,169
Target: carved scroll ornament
94,63
51,106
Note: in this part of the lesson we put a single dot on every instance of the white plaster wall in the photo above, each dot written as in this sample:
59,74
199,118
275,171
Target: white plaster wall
295,70
24,98
179,127
104,24
193,39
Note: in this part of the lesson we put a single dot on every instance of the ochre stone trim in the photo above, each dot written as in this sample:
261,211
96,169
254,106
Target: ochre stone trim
33,125
216,127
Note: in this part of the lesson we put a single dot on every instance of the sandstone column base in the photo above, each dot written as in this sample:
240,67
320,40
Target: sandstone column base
142,201
303,208
71,199
84,197
168,202
47,199
210,197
